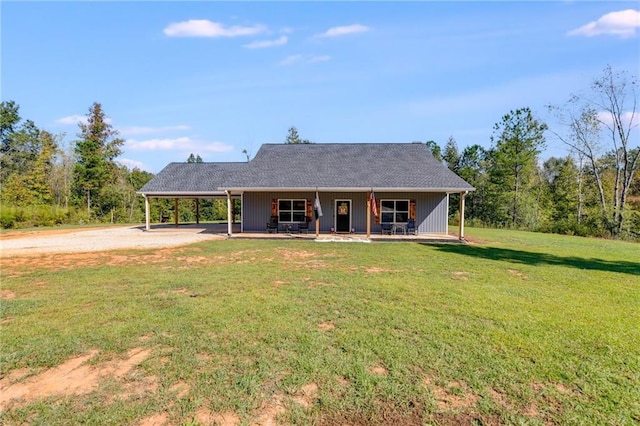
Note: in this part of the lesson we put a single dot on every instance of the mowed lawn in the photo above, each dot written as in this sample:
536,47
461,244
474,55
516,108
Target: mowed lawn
515,328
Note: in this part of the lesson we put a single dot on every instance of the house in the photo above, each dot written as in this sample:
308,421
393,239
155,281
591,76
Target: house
281,182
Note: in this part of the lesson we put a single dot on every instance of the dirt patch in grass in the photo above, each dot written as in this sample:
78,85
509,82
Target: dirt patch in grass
7,295
378,370
155,420
463,419
181,389
460,275
386,413
516,273
454,396
270,410
499,398
376,270
73,377
326,326
227,418
64,261
308,394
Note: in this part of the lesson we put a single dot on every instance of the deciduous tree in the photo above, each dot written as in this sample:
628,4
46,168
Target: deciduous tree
602,123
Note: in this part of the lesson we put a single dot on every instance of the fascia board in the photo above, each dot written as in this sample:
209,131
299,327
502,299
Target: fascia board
358,189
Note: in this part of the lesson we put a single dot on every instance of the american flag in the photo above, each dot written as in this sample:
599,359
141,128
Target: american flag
374,207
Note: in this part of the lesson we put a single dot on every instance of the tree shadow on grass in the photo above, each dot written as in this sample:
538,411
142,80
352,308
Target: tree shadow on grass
533,258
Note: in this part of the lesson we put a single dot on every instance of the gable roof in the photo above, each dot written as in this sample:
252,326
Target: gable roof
406,166
303,167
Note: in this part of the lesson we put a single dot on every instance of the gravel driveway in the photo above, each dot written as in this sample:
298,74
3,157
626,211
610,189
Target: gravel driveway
101,239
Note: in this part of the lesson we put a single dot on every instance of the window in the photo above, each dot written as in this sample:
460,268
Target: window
292,210
394,211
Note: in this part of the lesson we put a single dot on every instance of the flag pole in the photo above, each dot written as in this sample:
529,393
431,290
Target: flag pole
318,212
369,216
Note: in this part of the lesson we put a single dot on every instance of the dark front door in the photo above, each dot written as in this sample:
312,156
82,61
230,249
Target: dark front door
343,215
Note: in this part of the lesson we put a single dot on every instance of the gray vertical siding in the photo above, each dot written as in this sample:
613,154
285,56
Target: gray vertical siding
431,209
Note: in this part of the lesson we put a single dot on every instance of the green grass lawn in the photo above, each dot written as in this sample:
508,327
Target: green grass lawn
516,328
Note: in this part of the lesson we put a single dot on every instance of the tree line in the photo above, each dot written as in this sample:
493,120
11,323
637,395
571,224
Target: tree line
593,190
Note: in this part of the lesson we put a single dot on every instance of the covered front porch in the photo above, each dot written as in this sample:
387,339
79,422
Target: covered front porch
221,229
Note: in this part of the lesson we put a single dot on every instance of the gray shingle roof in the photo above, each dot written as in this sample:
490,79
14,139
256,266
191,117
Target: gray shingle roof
310,166
193,178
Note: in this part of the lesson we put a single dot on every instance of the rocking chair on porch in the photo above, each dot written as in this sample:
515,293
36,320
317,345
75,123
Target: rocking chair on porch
273,225
411,227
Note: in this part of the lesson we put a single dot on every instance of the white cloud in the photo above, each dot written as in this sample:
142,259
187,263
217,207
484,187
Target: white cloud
75,119
131,164
624,24
72,119
606,118
306,59
267,43
206,28
290,60
141,130
183,143
344,30
320,58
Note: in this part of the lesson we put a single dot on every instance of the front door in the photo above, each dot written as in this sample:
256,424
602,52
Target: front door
343,216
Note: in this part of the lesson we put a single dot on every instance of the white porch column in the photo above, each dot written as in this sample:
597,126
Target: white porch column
147,225
229,215
461,229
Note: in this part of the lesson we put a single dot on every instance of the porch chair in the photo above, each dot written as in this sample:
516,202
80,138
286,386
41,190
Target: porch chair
272,226
411,227
387,228
304,226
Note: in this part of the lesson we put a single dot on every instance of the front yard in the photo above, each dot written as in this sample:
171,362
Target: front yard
515,328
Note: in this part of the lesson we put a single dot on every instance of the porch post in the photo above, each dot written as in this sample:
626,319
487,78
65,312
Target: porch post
197,211
229,218
175,211
369,216
147,225
461,226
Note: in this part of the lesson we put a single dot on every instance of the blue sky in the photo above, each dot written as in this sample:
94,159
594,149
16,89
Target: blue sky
214,78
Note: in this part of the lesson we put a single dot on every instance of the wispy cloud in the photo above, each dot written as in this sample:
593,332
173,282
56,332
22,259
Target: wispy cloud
261,44
290,60
624,24
75,119
303,59
131,164
629,119
206,28
345,30
141,130
183,143
320,58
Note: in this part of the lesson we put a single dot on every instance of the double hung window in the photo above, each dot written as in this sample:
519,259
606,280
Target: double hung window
292,210
394,211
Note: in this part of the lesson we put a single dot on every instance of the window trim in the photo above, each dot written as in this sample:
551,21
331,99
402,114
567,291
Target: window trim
292,200
395,209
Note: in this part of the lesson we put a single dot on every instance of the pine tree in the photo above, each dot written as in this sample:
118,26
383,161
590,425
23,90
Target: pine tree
96,151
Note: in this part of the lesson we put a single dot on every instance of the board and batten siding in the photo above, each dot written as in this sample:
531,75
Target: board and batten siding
431,209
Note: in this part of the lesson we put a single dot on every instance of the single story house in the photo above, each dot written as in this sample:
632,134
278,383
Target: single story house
278,187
